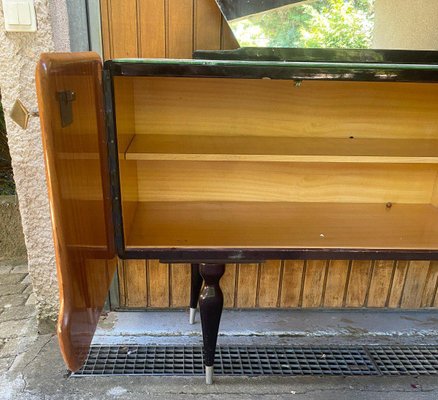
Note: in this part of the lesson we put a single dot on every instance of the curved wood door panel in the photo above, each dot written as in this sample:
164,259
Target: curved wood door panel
76,167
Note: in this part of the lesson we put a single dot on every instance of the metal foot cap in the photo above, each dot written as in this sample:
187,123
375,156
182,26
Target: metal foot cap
192,316
208,375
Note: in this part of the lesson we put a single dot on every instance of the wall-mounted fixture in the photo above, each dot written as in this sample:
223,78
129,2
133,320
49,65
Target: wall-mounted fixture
20,114
19,16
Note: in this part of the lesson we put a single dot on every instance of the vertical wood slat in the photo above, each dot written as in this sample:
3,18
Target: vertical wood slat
415,282
207,25
179,28
358,283
180,285
246,291
337,274
106,31
380,283
398,282
228,285
291,283
152,28
430,287
313,287
269,284
123,21
135,283
158,284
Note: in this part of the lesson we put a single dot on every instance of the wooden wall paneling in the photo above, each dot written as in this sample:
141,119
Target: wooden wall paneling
180,285
380,285
314,283
398,283
228,285
291,283
430,288
135,283
152,28
337,275
179,28
415,282
207,25
228,40
123,28
358,283
431,285
106,31
268,292
158,284
247,282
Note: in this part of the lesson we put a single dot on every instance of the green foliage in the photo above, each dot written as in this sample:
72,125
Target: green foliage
339,24
322,23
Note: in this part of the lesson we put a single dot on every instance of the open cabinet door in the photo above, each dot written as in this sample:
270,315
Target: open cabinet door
70,99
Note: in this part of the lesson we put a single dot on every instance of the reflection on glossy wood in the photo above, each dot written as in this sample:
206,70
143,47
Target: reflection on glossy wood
79,196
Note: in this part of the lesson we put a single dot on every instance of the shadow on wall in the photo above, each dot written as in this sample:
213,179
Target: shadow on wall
11,232
7,185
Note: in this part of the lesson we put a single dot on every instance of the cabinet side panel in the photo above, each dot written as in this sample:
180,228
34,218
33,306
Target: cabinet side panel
70,85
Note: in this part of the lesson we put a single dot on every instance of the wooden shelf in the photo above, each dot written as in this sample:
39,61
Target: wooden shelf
284,225
86,147
281,149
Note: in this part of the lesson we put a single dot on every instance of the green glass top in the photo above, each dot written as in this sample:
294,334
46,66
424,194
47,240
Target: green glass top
289,64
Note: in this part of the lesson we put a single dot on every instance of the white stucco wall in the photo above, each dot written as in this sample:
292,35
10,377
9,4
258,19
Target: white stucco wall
19,53
406,24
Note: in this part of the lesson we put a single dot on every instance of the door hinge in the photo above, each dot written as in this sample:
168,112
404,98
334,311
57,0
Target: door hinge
65,99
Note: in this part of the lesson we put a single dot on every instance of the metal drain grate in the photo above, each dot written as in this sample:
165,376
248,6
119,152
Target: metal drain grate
254,360
403,360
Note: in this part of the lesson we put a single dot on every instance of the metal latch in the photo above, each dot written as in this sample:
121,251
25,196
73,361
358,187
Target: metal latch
65,99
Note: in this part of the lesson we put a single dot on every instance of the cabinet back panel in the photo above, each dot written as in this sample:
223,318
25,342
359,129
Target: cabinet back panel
259,107
296,182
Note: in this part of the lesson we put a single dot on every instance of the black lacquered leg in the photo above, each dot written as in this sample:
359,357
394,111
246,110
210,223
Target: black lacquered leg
211,303
195,290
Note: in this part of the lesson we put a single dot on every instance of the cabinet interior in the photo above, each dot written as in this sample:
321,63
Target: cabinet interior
260,163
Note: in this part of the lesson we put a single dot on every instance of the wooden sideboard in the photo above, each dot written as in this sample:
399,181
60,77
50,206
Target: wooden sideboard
319,155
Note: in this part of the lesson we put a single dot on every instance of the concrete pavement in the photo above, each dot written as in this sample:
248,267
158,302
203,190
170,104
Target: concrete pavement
31,367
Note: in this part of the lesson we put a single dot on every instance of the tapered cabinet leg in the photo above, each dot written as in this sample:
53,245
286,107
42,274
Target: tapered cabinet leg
211,302
195,290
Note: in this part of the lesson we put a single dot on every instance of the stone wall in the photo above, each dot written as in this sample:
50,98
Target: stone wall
19,53
406,24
